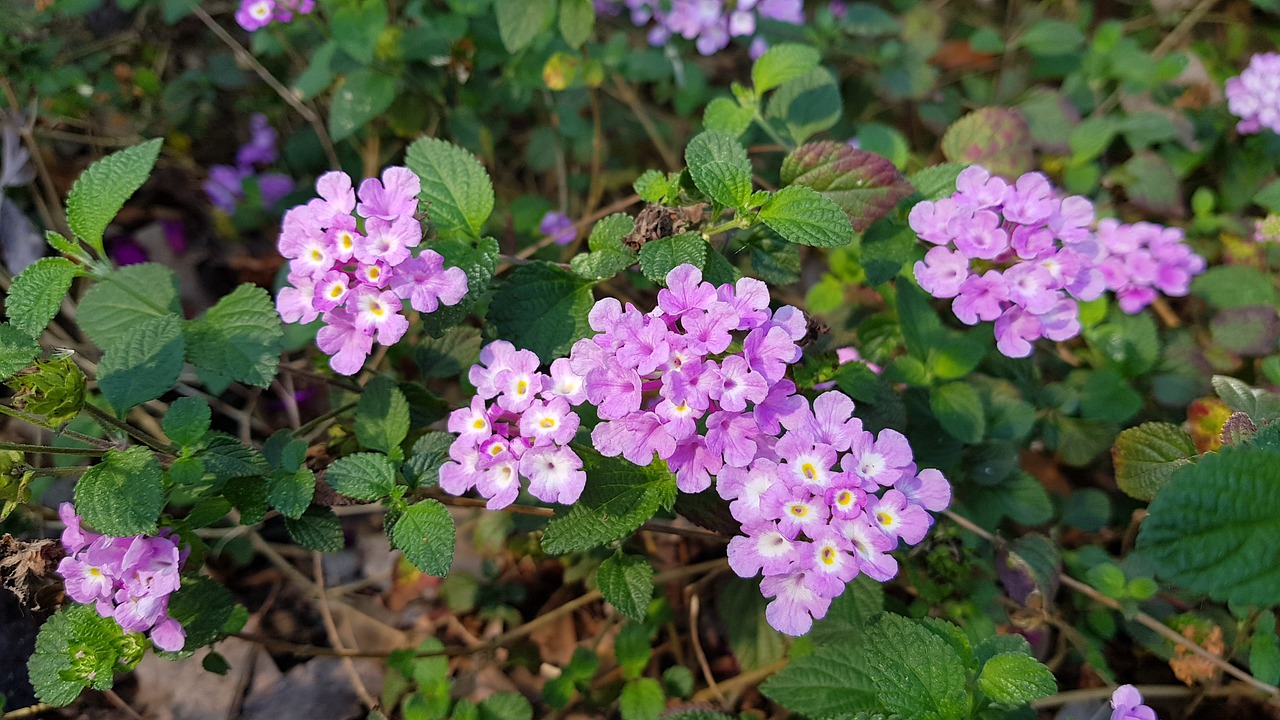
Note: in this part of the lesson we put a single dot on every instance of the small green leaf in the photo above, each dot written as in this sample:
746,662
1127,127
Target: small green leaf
577,21
425,534
719,166
103,188
1016,678
291,492
382,416
1092,137
363,95
125,298
801,215
239,337
37,293
1146,456
619,497
520,21
782,63
1261,406
204,607
143,363
642,699
508,705
74,633
448,356
17,350
626,581
937,181
362,476
723,115
1264,649
807,104
958,407
429,453
317,529
607,256
456,189
228,458
187,420
661,256
543,308
122,495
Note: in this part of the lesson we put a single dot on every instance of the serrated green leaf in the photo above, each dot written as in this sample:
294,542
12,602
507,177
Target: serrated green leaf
618,498
249,496
937,181
782,63
1146,456
122,495
37,293
363,95
204,607
915,672
78,625
456,188
806,105
17,350
187,420
291,492
362,476
996,138
641,699
102,189
608,255
317,529
143,363
1214,528
723,115
958,407
239,337
425,534
1016,678
543,308
228,458
382,416
626,581
577,21
1261,406
719,166
661,256
1234,286
429,453
846,620
830,681
448,356
802,215
653,187
865,185
520,21
479,260
127,297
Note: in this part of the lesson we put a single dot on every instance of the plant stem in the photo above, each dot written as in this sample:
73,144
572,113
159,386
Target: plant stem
33,420
313,424
47,450
107,419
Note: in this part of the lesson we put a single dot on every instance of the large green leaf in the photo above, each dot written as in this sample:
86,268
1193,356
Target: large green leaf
520,21
807,104
425,534
1214,528
127,297
362,476
363,95
143,363
619,497
719,166
626,581
1146,456
103,188
382,416
833,680
76,632
661,256
914,670
996,138
239,337
782,63
37,293
802,215
456,189
543,308
122,495
865,185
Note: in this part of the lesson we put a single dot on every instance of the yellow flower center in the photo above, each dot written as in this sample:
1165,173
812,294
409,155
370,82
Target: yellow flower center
844,498
884,518
809,471
548,422
828,555
336,291
799,510
478,424
522,387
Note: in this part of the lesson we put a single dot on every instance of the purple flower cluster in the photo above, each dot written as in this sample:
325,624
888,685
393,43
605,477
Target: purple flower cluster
1254,95
126,579
353,263
255,14
710,23
225,186
524,432
1126,704
1022,256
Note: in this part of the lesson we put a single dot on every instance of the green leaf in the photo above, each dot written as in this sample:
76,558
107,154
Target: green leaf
1049,36
958,407
509,705
362,476
1234,286
448,356
1264,649
382,416
608,255
723,115
319,73
37,293
619,497
849,614
996,138
543,308
1107,396
103,188
1092,137
122,495
187,421
478,259
653,186
317,529
291,492
915,671
520,21
626,581
1260,405
807,104
455,187
228,458
937,181
363,95
661,256
719,166
17,350
642,699
802,215
425,534
239,337
204,607
1151,183
76,630
142,364
865,185
1215,527
1146,456
577,21
125,298
357,26
831,681
429,453
1016,678
782,63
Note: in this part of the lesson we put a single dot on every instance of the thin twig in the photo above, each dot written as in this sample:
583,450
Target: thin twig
326,615
107,420
46,450
694,606
745,680
28,711
121,705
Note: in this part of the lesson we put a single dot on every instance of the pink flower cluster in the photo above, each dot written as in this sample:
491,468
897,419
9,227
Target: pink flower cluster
255,14
1254,95
1022,256
525,430
710,23
353,263
126,579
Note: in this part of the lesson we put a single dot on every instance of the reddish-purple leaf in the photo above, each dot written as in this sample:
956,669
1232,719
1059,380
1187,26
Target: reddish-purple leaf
864,184
996,138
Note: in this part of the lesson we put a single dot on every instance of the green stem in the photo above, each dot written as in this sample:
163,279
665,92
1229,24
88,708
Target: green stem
734,224
773,134
107,419
71,434
77,470
312,425
46,450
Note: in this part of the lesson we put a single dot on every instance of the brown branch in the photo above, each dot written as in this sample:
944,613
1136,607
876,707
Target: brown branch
331,628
